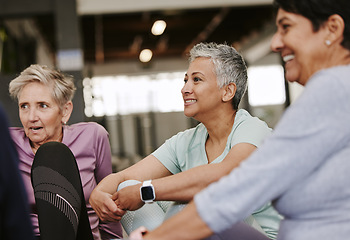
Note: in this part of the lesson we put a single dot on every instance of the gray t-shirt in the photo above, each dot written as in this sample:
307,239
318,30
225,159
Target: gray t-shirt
304,166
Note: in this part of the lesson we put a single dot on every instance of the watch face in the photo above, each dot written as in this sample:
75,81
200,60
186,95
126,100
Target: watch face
147,193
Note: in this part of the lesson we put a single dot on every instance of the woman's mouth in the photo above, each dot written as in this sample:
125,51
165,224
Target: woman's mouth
190,101
288,57
35,128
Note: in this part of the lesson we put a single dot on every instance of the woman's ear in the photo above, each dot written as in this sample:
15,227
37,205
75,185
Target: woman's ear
67,111
335,26
229,92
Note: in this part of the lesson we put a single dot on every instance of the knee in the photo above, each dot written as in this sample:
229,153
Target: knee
127,183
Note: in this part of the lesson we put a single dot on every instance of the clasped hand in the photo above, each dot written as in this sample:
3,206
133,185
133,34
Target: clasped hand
111,208
128,198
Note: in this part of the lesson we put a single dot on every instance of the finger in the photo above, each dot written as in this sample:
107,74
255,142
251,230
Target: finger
115,196
138,233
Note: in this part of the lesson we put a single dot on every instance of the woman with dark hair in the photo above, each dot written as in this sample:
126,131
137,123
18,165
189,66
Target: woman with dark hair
303,167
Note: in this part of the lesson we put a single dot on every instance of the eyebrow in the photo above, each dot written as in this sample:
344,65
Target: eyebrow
194,73
281,20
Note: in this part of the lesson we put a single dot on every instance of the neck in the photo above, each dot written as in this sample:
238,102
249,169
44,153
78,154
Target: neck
338,56
220,127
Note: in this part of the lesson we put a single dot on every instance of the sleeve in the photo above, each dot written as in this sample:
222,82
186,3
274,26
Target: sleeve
108,230
166,154
303,140
103,154
252,130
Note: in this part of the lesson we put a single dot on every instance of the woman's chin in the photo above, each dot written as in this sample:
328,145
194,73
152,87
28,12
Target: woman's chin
188,114
292,78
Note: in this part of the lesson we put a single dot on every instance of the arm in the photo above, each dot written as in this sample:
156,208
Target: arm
101,197
183,186
103,167
194,229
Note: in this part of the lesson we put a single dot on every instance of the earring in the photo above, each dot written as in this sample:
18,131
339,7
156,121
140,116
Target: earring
328,42
64,123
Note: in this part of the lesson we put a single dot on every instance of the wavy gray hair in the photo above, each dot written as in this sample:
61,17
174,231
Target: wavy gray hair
62,86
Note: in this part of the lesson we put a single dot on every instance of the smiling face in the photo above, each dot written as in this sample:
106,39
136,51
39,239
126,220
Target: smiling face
303,50
201,93
40,114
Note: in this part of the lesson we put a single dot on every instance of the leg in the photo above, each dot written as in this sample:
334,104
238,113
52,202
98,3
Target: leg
59,194
149,216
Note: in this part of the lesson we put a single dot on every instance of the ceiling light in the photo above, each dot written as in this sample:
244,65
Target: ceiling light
158,27
145,55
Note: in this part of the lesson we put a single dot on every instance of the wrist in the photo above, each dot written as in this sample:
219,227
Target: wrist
147,192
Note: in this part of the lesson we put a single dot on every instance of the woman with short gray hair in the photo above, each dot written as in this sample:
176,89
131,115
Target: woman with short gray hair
191,160
44,97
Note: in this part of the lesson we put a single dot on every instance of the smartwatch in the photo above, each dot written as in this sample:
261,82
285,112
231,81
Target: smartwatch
147,192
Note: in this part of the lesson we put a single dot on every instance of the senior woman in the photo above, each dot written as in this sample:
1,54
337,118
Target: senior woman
306,159
186,163
44,99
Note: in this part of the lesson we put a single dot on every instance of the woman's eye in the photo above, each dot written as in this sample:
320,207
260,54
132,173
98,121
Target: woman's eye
43,105
185,80
196,79
24,106
285,27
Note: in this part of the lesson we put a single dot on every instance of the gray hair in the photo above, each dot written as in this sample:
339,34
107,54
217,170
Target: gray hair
63,88
229,66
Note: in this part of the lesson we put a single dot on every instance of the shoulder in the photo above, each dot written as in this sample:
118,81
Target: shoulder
326,89
189,134
89,127
244,119
17,134
248,129
84,131
16,131
337,77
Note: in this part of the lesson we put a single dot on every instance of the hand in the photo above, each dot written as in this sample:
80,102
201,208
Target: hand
128,198
105,207
138,233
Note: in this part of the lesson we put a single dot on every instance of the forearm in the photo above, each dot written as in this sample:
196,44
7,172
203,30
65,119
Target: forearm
183,186
147,168
110,183
179,227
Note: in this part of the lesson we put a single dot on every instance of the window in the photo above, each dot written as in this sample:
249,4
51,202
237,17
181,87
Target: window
112,95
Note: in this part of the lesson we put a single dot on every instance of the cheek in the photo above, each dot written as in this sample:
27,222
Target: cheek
56,122
23,118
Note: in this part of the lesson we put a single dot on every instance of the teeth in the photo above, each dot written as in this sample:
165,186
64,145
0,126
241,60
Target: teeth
288,57
190,101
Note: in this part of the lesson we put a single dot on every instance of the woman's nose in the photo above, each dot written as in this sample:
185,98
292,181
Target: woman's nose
276,42
33,116
187,88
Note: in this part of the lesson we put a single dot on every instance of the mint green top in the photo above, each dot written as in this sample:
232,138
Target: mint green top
186,150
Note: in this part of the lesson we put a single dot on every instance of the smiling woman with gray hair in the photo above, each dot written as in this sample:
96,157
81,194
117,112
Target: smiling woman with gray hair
186,163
